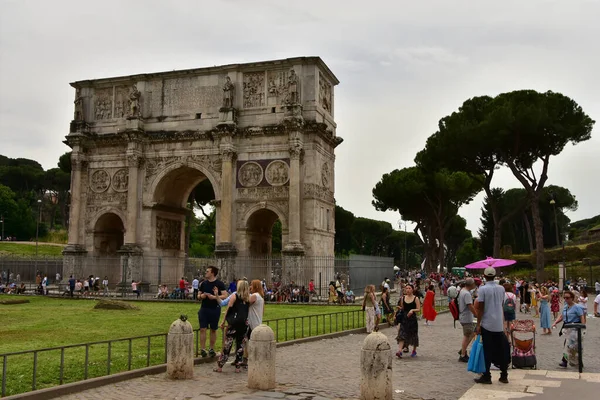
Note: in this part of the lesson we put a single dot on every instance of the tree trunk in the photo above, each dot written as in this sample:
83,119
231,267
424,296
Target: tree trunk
539,237
497,238
441,256
528,230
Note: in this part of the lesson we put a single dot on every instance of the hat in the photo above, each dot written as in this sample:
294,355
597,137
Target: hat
387,280
490,272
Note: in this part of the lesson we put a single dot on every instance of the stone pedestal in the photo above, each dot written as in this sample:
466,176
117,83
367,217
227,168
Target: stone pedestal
376,368
180,350
73,261
294,269
261,358
225,254
134,124
132,260
227,116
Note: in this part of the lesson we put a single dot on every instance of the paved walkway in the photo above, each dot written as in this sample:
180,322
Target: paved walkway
330,369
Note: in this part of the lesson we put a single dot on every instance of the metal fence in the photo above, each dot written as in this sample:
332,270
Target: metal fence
53,366
355,272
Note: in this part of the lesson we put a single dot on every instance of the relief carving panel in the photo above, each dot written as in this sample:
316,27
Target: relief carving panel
250,174
254,89
120,180
326,175
277,173
100,181
168,234
264,193
157,164
103,104
121,101
324,93
313,191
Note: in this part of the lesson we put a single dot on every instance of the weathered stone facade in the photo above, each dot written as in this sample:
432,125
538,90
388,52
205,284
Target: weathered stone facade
262,133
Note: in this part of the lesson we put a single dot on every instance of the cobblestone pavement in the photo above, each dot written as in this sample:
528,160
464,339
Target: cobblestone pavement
329,368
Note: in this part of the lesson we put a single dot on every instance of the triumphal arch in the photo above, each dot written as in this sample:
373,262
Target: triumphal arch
263,134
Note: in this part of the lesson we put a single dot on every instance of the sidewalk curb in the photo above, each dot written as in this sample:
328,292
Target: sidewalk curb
76,387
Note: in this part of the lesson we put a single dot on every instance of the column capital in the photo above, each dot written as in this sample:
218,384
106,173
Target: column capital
78,162
134,160
228,154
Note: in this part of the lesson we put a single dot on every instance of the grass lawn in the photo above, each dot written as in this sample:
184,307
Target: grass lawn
22,249
50,322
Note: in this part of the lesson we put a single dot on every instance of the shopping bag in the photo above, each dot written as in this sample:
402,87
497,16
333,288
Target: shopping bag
476,360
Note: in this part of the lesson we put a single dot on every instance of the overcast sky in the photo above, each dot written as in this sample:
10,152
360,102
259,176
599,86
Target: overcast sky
402,65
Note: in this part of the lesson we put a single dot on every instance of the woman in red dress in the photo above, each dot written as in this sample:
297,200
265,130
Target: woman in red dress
429,312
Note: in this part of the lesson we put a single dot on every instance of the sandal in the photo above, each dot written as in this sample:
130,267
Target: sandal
237,370
217,369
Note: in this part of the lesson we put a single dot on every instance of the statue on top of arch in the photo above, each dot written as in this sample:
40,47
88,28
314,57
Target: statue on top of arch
134,102
228,93
293,96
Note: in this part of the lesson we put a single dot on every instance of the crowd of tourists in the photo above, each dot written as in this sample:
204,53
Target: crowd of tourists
487,306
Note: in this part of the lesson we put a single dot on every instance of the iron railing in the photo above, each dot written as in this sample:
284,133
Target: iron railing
104,357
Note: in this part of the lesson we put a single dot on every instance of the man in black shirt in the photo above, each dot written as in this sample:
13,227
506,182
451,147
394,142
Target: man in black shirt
211,292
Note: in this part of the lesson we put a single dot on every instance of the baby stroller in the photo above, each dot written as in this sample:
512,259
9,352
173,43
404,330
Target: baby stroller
523,353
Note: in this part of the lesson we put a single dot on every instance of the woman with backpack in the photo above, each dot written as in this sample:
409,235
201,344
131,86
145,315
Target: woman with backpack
236,317
510,305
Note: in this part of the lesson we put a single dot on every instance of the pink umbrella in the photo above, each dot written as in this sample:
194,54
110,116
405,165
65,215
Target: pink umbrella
490,262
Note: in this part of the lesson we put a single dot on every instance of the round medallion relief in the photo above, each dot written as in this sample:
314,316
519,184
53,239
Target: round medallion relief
100,181
120,180
250,174
277,173
325,175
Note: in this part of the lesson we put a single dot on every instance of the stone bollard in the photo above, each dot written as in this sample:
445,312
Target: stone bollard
180,350
261,360
376,368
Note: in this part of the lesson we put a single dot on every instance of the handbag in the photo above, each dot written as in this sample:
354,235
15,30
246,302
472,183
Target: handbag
477,360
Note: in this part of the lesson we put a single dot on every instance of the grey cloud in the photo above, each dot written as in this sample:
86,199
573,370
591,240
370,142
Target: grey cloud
402,66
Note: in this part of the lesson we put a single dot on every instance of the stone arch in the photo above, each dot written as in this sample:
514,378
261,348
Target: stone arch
268,206
108,233
106,210
201,173
259,222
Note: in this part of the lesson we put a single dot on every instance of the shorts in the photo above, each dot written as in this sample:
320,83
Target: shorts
468,328
509,316
209,318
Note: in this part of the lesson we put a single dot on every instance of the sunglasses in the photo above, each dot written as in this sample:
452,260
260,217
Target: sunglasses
567,297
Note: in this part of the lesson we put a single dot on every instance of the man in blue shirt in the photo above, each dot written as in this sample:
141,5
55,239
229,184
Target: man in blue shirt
490,323
71,285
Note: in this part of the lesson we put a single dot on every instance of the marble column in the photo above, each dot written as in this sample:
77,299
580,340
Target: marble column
133,163
226,196
77,164
74,253
294,225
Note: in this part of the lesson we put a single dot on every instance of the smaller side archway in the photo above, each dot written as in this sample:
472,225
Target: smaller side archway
259,225
109,233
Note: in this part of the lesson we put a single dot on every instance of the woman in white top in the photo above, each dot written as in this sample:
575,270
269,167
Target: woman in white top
255,312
